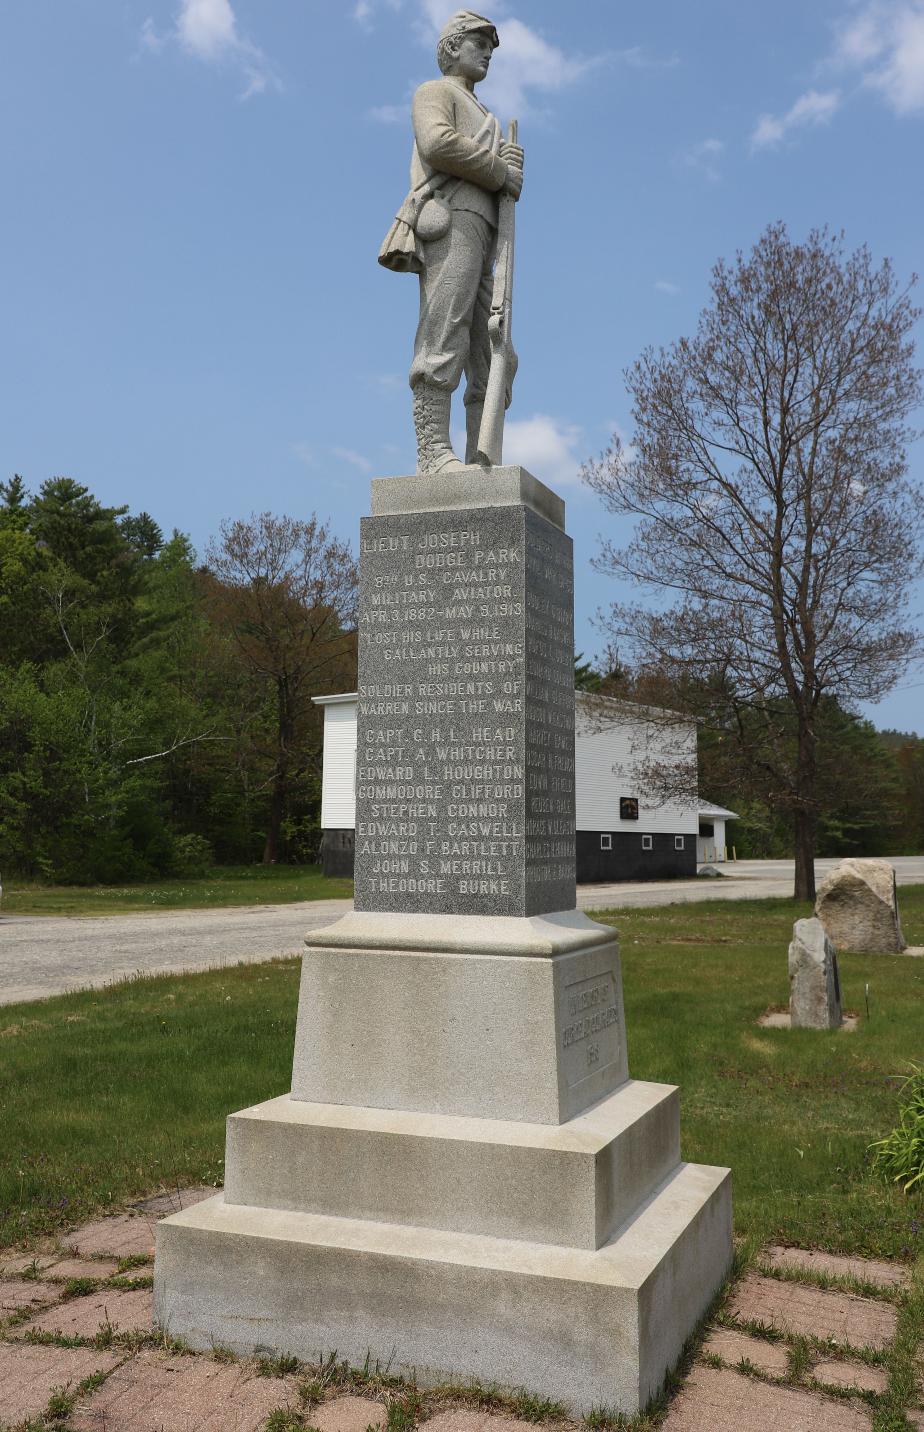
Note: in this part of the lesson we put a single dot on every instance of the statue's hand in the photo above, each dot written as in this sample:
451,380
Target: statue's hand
513,184
512,155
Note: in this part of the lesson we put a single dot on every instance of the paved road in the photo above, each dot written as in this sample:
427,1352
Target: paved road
743,880
42,955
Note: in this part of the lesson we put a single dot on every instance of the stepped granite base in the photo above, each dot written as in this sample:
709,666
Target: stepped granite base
464,1183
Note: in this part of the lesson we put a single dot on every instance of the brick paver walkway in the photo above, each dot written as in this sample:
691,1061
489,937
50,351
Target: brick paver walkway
801,1310
865,1270
751,1376
84,1317
29,1375
153,1393
720,1401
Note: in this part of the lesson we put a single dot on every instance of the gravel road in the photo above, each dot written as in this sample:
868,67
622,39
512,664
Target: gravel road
43,955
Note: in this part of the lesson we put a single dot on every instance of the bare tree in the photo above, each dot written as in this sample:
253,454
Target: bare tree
776,521
288,595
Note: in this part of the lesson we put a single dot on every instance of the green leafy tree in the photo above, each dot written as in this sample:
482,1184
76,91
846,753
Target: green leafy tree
142,534
286,591
586,678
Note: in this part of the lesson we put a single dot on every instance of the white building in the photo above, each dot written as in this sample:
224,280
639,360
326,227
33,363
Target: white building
711,847
621,834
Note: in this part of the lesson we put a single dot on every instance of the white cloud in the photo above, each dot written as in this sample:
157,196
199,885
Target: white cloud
364,11
526,61
884,41
355,459
207,30
880,43
665,285
813,107
525,65
150,39
305,453
545,446
390,113
704,157
637,59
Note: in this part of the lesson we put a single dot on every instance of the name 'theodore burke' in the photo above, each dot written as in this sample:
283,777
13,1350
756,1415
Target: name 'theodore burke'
446,231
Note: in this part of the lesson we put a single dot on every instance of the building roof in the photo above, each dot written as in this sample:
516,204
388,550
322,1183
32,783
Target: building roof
633,709
707,809
340,699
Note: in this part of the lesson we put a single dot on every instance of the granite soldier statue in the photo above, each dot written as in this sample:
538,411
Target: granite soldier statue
447,232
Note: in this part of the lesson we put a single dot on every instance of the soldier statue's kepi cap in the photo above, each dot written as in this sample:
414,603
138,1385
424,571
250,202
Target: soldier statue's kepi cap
465,21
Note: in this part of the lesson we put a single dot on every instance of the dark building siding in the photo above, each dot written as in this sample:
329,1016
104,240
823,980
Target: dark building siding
337,849
628,861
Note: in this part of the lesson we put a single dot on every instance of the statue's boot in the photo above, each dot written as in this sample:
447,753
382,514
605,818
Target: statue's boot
431,423
473,415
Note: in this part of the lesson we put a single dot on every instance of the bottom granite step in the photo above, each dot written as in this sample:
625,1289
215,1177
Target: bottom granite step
584,1327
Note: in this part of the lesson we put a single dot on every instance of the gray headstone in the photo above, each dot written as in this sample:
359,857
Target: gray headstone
857,903
465,736
814,983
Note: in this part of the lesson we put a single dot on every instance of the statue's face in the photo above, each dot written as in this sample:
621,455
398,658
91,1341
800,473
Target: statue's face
473,56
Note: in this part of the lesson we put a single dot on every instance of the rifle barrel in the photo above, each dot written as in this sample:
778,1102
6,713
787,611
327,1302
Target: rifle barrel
491,434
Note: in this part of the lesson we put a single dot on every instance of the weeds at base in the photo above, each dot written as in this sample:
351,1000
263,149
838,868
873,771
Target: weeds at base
831,1282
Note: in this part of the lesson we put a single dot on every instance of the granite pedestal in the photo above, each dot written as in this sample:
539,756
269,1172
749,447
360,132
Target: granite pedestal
464,1182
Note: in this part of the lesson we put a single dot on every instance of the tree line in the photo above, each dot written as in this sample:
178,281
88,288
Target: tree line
156,714
155,710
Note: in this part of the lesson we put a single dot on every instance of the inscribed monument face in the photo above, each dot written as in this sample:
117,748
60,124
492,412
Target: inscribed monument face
456,220
465,740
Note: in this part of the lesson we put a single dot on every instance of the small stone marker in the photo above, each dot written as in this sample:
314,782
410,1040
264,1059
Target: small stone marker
858,905
814,984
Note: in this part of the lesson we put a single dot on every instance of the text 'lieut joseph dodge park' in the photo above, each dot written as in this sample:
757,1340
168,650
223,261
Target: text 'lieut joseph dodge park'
451,778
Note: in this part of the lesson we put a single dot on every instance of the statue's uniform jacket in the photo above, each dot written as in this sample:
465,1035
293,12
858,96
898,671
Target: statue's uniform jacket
454,134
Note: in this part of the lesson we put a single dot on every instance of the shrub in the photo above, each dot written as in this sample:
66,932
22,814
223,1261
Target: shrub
899,1157
192,855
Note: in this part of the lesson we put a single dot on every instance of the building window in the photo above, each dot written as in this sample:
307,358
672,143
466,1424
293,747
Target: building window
678,842
606,842
646,842
628,808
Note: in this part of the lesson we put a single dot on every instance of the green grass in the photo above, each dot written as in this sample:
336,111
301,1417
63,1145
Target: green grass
108,1094
792,1112
224,885
900,1155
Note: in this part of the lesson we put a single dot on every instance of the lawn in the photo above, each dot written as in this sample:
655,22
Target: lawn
107,1094
224,885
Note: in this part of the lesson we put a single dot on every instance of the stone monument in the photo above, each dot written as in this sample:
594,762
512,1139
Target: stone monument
814,982
857,903
464,1182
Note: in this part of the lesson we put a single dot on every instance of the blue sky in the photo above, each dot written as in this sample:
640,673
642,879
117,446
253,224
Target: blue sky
194,192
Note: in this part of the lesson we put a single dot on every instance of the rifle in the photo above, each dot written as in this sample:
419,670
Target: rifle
503,357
